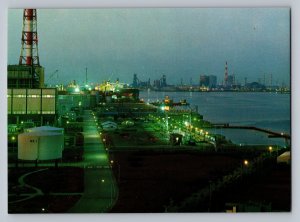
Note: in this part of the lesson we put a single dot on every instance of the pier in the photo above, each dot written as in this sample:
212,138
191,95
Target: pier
272,134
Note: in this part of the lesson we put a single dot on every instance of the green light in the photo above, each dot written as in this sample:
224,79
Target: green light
102,180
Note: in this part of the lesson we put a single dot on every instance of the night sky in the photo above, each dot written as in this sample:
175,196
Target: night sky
180,43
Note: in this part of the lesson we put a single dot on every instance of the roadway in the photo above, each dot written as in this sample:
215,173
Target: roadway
100,187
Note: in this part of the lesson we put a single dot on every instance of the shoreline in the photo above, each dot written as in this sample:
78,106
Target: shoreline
212,91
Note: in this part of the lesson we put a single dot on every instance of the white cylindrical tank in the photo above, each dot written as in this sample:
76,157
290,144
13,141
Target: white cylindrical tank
41,145
48,129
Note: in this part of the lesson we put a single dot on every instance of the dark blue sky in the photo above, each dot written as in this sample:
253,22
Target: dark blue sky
180,43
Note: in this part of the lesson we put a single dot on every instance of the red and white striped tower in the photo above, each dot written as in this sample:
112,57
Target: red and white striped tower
29,51
226,75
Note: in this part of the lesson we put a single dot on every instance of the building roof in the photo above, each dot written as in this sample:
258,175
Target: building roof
39,133
106,123
44,128
284,158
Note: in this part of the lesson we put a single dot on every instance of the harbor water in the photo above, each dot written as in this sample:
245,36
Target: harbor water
264,110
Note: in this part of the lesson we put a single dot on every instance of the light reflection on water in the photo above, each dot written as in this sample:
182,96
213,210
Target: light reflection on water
264,110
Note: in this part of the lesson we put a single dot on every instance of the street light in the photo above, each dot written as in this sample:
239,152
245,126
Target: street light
13,143
205,136
270,149
246,163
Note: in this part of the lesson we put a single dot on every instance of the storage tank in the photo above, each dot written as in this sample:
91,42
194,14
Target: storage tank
40,145
48,129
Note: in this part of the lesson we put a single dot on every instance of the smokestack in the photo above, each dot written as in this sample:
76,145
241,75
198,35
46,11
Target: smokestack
226,75
29,51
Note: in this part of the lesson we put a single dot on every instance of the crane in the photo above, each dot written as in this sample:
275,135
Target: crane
52,75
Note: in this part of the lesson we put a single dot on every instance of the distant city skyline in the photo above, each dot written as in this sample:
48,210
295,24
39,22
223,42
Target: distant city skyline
179,43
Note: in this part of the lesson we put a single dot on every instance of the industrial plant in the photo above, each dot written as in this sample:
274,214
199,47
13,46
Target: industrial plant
102,147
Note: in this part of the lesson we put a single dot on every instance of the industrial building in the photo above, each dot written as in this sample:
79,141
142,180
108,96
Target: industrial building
212,81
136,83
157,83
22,76
208,81
160,83
115,92
27,99
204,81
34,105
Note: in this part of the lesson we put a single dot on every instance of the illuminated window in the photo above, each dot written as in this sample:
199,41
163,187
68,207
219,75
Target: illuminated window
48,112
33,96
48,96
19,112
34,112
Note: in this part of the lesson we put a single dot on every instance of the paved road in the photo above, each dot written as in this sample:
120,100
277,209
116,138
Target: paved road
100,188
